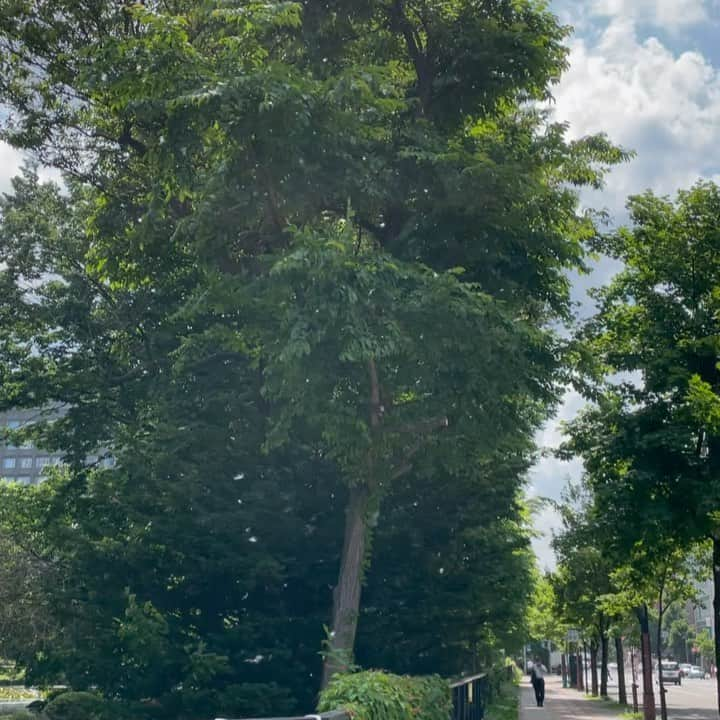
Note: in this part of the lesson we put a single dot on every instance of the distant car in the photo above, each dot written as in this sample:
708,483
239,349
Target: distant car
670,672
696,672
685,669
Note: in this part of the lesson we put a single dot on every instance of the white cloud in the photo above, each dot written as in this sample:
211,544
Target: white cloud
550,476
663,105
547,520
10,161
665,13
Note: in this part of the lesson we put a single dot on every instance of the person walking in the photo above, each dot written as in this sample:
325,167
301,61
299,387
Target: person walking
537,676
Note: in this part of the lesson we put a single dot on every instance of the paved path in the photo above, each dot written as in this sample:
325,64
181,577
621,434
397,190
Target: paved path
695,700
562,704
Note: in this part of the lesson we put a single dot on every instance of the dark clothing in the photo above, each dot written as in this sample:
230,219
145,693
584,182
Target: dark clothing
539,687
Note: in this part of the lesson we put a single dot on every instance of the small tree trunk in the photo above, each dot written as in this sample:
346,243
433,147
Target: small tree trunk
593,666
620,652
634,678
346,596
646,655
661,684
716,611
579,668
603,662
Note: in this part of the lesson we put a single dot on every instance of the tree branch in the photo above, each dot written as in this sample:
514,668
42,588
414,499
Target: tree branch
429,426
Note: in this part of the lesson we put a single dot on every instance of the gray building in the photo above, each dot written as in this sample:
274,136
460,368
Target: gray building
25,463
702,612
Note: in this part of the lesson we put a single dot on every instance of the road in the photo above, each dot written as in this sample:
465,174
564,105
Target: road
693,700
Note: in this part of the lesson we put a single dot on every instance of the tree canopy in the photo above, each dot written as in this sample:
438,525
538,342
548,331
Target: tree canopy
304,259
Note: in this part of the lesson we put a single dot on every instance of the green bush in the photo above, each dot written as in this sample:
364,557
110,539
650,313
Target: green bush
78,706
500,675
374,695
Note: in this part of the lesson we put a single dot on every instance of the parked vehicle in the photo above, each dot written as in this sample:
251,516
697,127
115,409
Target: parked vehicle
696,672
670,672
685,669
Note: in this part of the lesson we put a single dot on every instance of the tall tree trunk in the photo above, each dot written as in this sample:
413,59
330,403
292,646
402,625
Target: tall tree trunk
661,684
716,611
585,667
593,666
620,653
604,642
646,655
346,596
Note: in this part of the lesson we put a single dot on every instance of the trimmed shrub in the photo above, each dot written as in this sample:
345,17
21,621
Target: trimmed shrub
77,706
374,695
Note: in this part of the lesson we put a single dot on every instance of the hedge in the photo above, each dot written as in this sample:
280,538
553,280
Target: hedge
375,695
77,706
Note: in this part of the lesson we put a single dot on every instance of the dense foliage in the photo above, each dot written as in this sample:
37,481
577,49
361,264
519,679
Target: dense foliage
300,282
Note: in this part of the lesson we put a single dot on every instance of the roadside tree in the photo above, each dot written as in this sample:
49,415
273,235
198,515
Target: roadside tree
352,223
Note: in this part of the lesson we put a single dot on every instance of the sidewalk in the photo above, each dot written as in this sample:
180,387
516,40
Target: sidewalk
562,704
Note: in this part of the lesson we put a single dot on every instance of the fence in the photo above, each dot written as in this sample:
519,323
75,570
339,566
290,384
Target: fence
470,697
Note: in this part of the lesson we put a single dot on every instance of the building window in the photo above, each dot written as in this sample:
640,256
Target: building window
9,463
24,479
26,463
41,461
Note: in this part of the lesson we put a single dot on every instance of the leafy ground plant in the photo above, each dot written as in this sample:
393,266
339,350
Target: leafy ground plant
375,695
506,703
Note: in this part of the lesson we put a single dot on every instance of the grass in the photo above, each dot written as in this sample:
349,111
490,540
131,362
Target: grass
625,715
600,698
10,674
10,693
505,705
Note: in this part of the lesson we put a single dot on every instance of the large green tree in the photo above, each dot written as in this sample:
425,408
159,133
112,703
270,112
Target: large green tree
650,444
352,222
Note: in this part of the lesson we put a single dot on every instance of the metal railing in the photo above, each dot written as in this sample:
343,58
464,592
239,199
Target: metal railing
332,715
470,697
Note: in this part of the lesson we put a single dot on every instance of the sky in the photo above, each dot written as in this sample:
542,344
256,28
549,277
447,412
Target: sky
647,73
